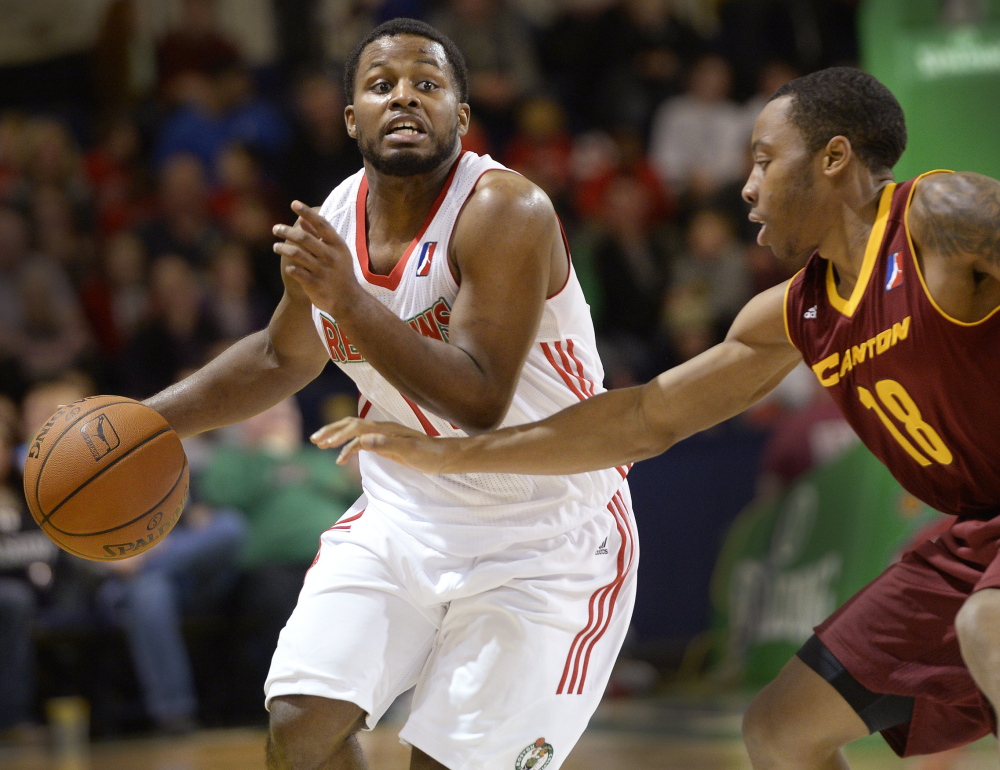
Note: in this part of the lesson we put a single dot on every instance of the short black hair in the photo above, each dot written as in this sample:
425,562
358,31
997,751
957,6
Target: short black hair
404,26
844,101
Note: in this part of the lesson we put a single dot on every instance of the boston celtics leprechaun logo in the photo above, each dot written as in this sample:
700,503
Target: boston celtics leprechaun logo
534,757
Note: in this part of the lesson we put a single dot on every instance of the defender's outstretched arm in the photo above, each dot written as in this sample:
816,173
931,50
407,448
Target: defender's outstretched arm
614,428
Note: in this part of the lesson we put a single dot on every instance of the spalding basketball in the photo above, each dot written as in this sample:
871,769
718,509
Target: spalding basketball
106,478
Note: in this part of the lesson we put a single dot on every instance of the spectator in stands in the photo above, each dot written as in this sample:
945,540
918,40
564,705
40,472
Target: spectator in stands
698,139
42,331
321,155
713,267
344,25
27,561
224,108
500,55
177,335
632,260
643,52
183,223
623,154
11,171
239,176
813,434
235,307
196,47
116,296
542,147
149,595
290,492
60,231
116,175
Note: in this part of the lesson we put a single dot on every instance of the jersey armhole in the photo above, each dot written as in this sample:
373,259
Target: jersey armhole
784,314
569,259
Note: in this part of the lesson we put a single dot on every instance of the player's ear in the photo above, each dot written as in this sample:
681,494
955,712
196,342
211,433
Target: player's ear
464,115
352,126
837,155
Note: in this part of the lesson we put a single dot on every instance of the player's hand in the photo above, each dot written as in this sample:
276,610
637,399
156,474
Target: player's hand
318,258
387,439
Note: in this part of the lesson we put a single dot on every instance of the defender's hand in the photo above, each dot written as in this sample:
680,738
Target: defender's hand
387,439
318,257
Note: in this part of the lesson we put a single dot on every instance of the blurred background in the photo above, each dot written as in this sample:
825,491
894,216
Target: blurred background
148,146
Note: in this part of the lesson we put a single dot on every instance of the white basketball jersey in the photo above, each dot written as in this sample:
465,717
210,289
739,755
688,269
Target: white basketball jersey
466,514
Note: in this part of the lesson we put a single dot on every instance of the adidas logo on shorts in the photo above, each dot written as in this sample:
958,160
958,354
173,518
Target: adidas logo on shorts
602,549
810,313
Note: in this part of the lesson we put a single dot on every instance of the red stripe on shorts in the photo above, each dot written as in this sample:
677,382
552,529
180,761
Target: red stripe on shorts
604,599
347,521
345,524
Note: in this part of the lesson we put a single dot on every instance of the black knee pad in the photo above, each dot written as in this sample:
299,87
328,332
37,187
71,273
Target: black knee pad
878,711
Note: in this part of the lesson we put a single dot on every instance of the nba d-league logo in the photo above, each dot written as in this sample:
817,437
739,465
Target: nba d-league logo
100,436
535,757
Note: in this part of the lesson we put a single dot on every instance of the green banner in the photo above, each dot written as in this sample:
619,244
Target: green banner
941,58
788,563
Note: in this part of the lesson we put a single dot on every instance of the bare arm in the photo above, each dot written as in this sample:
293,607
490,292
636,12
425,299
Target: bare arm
614,428
250,376
502,247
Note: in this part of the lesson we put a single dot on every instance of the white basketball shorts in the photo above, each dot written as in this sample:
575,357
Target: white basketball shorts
510,652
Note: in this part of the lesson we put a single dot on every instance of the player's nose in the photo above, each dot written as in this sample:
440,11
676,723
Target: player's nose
749,191
404,95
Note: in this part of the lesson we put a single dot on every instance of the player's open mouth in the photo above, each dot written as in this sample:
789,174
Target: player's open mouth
405,128
763,227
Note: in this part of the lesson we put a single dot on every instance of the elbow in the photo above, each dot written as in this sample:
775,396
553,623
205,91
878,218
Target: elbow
482,415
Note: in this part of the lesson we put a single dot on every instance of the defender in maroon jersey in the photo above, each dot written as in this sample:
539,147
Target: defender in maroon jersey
896,313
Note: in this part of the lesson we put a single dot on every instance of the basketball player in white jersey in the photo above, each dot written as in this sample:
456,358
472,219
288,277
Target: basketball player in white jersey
441,283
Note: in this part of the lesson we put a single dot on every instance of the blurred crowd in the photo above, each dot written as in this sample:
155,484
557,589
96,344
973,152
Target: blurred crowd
148,146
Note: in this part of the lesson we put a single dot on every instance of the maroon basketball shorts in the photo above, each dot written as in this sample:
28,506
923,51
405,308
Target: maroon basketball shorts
897,636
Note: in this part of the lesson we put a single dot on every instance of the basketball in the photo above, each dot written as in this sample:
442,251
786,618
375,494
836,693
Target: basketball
106,478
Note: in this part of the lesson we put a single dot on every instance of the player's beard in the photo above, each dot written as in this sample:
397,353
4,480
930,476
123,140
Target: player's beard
408,162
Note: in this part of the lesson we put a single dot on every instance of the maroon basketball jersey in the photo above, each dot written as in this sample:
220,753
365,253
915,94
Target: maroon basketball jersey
918,387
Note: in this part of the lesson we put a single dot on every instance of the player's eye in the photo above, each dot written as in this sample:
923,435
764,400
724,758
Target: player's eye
381,87
427,85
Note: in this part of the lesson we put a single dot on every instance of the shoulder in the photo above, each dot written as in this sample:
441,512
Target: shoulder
504,198
762,319
956,215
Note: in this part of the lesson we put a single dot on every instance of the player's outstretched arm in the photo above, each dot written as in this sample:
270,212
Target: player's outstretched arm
614,428
253,374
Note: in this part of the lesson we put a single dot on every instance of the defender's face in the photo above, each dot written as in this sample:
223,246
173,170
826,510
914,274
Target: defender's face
406,114
785,188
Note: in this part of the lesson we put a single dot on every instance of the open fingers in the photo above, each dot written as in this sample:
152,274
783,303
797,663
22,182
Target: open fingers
300,237
336,433
311,217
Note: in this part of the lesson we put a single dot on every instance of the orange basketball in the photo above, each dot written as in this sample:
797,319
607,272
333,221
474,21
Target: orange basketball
106,478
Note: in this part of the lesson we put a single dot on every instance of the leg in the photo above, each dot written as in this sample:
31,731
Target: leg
147,607
978,627
354,642
312,733
523,658
800,721
17,672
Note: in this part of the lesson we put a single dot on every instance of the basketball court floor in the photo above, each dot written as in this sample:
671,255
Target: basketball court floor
672,733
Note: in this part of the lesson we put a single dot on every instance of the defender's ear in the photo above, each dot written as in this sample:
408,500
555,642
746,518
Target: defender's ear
837,155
